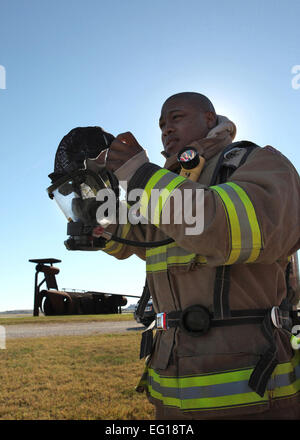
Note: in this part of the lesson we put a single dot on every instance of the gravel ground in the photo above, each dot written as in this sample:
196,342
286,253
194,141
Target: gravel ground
60,329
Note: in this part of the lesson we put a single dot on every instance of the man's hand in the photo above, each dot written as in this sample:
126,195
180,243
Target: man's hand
123,148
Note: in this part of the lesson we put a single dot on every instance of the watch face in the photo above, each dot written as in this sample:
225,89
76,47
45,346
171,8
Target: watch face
187,155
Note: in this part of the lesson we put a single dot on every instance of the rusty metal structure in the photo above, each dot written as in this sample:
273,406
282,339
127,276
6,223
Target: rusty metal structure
52,301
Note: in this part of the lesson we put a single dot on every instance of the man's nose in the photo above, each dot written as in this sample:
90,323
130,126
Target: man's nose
167,129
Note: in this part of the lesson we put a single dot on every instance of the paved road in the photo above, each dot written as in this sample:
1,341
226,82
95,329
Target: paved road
74,328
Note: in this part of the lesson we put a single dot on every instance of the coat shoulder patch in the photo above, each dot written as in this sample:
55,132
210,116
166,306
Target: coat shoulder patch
233,157
273,150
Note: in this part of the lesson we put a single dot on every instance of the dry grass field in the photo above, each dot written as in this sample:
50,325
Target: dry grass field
29,319
73,378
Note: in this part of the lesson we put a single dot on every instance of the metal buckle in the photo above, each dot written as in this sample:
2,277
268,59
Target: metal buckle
281,318
275,317
161,321
195,320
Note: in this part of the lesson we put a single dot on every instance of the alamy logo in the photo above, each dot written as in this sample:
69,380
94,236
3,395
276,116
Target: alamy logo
155,208
296,78
2,77
2,338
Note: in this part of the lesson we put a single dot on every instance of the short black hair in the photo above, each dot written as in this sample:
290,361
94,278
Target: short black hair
196,98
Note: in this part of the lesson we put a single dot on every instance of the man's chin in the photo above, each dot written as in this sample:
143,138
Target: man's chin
172,149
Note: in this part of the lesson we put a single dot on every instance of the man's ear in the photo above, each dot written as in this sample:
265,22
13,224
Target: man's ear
211,119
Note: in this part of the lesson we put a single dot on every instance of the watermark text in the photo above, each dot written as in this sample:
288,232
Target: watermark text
2,78
2,338
161,207
296,78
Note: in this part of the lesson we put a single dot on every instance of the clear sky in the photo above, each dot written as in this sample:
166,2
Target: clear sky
72,63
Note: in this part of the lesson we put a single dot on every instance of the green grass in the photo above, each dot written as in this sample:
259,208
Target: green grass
73,378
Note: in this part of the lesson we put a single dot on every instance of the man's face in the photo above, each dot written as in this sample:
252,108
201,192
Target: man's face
181,122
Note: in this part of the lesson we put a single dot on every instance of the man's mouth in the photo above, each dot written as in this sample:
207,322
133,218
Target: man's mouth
170,140
171,146
170,143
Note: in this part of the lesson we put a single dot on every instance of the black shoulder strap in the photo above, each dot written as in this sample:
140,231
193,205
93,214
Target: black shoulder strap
250,146
139,313
221,295
222,280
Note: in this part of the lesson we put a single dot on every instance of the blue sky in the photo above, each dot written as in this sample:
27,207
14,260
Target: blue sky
74,63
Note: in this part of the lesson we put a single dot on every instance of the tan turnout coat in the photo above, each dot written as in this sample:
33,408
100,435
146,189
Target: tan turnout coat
252,224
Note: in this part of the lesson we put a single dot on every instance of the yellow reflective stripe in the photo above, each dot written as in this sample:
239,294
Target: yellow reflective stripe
165,187
202,380
163,197
243,226
288,367
200,259
111,243
287,390
180,259
224,389
256,235
148,188
115,250
287,370
108,245
156,267
170,401
209,403
164,388
233,224
158,259
155,251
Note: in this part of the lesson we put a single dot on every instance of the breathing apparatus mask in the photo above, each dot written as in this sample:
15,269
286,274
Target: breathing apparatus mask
77,178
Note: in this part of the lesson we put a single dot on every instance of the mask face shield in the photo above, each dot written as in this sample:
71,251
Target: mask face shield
75,195
65,201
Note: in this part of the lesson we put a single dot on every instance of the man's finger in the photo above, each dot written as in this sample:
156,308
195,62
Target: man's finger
118,145
128,138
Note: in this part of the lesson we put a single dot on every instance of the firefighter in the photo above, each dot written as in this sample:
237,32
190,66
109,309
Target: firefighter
221,348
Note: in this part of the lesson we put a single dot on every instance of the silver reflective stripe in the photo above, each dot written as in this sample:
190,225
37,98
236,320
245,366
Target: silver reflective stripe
246,234
224,389
283,380
174,250
160,258
199,392
114,247
153,199
244,231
